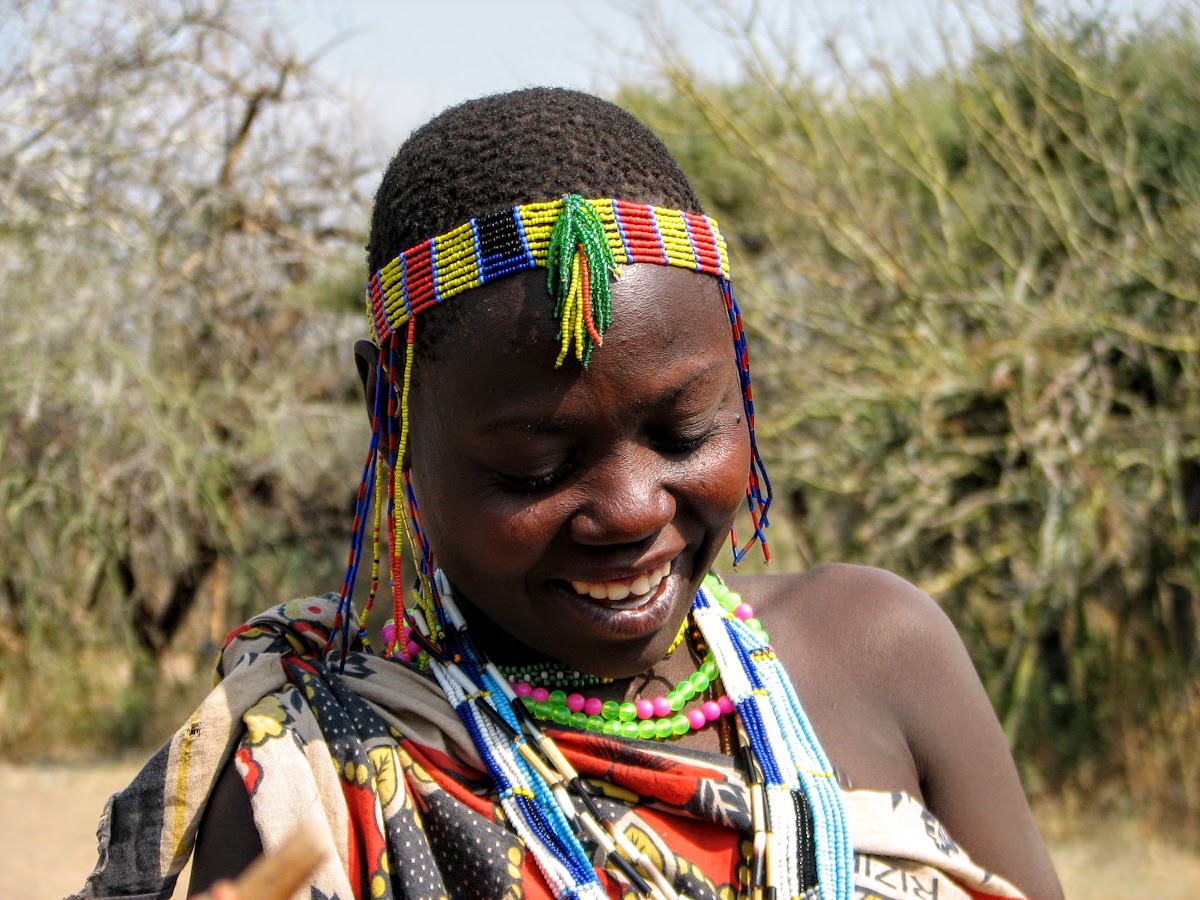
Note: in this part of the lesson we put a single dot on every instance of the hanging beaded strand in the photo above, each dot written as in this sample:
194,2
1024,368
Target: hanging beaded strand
579,261
373,482
376,552
758,485
784,747
527,800
368,496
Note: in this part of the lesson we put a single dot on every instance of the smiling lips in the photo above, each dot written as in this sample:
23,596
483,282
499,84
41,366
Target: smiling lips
638,588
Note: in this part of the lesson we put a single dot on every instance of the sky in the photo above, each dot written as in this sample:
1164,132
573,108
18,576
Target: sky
409,59
406,60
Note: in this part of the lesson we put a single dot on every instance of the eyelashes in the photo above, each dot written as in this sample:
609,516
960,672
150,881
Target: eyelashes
682,446
535,484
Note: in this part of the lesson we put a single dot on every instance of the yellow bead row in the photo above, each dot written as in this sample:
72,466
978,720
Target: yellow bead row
572,320
457,261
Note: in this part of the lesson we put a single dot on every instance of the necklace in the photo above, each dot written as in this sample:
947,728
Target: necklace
547,674
660,718
649,719
537,786
553,675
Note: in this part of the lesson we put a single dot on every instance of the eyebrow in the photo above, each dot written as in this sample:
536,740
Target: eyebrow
558,423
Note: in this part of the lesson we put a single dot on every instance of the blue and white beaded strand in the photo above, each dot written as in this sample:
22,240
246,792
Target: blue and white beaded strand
813,768
784,745
621,854
524,796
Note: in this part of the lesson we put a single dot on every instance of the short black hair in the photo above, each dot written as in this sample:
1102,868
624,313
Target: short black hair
499,151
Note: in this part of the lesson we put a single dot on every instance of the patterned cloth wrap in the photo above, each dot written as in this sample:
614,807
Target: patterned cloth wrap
379,760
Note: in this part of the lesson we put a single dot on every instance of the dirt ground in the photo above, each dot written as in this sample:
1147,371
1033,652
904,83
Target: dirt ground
48,817
48,826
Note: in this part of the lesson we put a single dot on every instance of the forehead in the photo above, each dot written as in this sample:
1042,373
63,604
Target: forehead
501,343
515,317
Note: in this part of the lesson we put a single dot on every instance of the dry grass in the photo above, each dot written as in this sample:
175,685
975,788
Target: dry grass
1113,857
181,211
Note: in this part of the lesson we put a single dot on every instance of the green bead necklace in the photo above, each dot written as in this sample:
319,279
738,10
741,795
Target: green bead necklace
657,719
556,675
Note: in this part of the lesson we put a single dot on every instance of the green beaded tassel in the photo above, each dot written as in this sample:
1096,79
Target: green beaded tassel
579,262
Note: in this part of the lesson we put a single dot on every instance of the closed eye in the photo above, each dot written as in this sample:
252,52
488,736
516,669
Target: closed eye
532,484
682,444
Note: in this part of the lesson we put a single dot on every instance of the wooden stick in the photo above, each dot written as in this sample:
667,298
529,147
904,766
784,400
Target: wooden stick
277,875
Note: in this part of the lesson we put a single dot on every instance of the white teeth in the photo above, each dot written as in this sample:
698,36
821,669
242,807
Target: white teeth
615,591
618,591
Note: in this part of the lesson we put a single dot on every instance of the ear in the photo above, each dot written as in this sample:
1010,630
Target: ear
366,360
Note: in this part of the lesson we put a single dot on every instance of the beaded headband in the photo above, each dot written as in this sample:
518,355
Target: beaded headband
567,235
581,242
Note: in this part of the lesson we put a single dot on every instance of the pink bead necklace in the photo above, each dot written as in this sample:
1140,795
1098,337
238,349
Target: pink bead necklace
660,718
657,719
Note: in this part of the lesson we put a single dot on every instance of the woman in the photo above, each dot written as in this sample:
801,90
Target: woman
563,514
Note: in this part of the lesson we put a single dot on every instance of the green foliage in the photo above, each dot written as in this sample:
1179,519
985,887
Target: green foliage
973,297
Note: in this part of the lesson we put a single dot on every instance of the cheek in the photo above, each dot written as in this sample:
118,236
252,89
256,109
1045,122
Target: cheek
474,533
735,474
474,530
718,478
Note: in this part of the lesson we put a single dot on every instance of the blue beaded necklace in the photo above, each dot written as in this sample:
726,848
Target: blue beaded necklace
536,784
786,753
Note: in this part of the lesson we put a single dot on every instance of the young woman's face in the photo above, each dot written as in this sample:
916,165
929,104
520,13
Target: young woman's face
575,511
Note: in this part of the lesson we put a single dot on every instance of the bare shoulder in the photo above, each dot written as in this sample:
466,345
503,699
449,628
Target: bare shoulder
849,588
879,621
893,695
870,645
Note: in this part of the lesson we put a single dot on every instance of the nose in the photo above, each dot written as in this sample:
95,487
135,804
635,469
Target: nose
627,500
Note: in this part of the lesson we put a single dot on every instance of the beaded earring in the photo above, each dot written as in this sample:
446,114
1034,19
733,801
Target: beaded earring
758,484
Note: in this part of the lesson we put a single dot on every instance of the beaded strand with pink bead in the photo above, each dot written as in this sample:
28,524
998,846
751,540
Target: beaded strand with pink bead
658,718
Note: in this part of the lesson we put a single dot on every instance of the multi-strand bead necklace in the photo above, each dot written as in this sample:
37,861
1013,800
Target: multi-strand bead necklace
657,718
550,808
543,689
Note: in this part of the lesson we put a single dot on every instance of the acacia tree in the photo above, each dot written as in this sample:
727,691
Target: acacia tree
181,217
